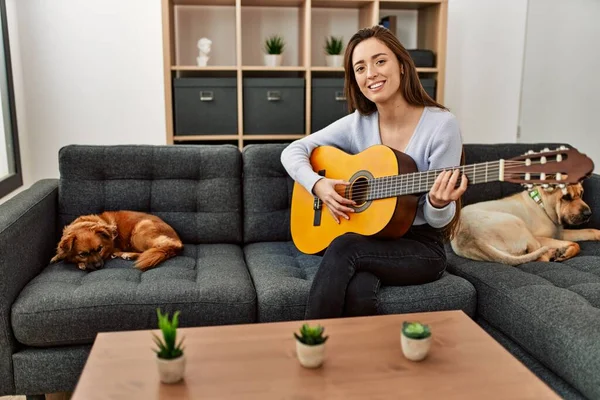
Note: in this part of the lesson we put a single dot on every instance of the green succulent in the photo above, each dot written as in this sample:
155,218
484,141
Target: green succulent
415,330
311,336
334,45
167,348
274,45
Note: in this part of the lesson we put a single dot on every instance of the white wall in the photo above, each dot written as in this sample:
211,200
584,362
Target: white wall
561,83
91,72
484,67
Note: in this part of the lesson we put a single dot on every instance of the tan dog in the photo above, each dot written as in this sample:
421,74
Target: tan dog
516,229
131,235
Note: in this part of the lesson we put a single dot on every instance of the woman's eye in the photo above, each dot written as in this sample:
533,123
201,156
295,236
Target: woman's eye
380,61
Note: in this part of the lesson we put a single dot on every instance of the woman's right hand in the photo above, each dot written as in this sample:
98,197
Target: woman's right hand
324,189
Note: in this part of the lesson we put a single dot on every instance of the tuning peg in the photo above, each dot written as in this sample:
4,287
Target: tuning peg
558,157
530,152
563,148
542,176
527,176
546,149
558,176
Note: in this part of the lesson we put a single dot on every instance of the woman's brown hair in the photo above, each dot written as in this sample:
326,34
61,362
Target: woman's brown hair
410,86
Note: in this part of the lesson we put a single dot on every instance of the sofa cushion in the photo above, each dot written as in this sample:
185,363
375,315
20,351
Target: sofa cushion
552,310
282,276
197,189
267,194
209,283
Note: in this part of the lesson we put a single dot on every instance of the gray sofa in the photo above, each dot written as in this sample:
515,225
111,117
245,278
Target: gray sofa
239,265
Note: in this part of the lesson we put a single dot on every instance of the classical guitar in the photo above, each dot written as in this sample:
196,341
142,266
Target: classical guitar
386,186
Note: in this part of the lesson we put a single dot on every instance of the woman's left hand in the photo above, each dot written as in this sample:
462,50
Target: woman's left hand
444,190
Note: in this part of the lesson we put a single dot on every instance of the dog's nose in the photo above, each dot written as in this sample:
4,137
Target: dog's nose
587,212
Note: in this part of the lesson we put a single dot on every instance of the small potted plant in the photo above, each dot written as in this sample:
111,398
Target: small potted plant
415,340
333,50
170,357
310,346
274,46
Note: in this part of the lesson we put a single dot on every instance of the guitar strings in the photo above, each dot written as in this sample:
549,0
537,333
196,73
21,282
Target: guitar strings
395,182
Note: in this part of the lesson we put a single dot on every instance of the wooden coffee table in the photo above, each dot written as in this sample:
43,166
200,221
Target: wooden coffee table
364,361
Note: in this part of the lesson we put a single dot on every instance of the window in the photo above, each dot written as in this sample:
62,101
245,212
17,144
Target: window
11,176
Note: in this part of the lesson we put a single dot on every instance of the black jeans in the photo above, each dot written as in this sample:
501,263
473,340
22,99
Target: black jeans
354,266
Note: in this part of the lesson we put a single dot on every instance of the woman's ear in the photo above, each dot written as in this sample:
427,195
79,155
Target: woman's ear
64,247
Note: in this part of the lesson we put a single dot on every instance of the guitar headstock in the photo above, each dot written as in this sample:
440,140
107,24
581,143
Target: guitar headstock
549,168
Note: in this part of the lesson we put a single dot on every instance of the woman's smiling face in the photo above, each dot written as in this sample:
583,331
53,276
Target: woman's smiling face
376,70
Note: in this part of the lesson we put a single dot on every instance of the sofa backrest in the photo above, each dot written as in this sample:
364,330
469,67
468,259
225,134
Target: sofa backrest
477,153
196,189
267,194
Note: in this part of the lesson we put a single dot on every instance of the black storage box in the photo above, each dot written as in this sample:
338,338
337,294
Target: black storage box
429,86
205,106
328,102
274,106
422,58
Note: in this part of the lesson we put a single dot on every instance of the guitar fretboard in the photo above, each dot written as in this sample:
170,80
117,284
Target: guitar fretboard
421,182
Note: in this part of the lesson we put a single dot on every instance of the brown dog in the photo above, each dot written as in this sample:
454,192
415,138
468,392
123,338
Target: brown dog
131,235
517,229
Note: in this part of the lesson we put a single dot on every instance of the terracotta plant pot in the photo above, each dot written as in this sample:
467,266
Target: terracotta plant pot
171,371
310,356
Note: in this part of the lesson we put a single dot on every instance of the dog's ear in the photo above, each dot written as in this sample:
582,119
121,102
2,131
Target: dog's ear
64,247
108,232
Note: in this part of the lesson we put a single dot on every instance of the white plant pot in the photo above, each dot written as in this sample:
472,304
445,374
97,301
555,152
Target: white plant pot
171,371
415,349
310,356
334,60
273,60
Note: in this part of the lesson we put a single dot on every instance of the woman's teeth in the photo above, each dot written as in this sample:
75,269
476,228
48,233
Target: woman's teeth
376,85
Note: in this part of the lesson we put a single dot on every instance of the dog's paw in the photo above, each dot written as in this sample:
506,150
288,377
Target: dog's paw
81,266
113,256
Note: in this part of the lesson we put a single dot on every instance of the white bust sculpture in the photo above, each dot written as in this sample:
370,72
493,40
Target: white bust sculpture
203,50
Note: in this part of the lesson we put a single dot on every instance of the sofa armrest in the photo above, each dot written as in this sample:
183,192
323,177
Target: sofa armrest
28,237
591,196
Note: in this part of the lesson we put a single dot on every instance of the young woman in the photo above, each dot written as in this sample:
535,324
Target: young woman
388,106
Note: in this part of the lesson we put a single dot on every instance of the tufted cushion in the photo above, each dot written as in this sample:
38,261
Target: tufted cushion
267,194
552,310
196,189
282,277
209,283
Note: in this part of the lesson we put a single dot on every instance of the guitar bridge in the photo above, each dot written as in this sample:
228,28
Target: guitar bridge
318,206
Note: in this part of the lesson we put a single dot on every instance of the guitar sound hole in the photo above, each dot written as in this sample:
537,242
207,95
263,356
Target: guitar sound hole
359,191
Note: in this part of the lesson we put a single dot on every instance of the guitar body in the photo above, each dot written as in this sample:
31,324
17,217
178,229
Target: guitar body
313,228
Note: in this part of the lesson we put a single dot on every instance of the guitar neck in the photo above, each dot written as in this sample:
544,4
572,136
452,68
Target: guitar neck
422,182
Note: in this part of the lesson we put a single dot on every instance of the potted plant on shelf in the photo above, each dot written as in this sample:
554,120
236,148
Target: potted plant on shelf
310,345
170,357
415,340
333,50
274,46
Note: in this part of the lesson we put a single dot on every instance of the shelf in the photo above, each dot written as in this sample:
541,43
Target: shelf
214,22
408,5
327,69
272,3
194,68
193,138
340,3
274,137
238,29
204,2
